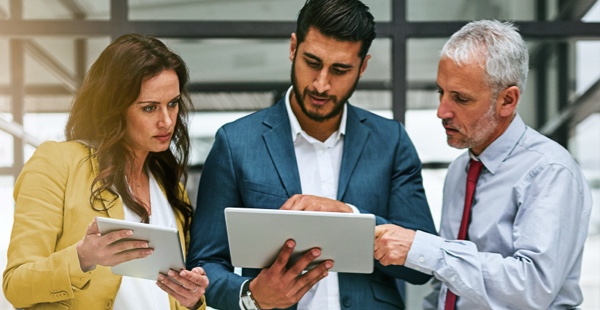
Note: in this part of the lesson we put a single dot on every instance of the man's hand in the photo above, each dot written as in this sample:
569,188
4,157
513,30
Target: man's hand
281,287
315,203
392,244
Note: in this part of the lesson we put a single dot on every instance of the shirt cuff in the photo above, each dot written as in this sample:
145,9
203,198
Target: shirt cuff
424,254
240,296
354,209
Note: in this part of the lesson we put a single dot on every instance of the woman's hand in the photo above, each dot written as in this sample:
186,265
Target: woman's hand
187,287
109,249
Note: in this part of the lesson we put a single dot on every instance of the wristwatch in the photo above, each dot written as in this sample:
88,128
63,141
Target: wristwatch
247,300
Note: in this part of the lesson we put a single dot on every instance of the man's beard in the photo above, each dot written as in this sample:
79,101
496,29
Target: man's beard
338,104
482,129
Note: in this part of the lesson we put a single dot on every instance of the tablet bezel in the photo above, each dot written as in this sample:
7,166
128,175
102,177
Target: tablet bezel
168,252
256,236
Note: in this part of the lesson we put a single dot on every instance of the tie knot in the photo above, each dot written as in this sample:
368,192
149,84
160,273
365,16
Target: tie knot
475,167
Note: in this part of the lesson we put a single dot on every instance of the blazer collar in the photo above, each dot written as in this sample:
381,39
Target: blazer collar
280,146
355,140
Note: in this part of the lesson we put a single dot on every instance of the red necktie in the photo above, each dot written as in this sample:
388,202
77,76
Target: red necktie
472,176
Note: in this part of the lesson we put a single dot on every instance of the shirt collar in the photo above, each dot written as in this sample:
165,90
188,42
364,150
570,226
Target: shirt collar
295,125
501,148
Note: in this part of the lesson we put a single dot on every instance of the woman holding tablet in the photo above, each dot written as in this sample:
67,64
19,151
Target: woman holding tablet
126,150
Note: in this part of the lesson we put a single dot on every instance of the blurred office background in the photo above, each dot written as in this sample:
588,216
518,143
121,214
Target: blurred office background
237,53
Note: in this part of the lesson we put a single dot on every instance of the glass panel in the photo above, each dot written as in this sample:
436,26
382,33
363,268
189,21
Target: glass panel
552,79
4,62
593,15
428,136
46,126
239,60
455,10
4,9
6,141
422,62
5,106
50,68
380,65
203,127
95,46
421,68
49,60
376,101
232,60
233,10
43,126
28,150
587,60
76,9
585,146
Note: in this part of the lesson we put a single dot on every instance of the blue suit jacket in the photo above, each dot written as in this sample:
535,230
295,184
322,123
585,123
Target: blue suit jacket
252,164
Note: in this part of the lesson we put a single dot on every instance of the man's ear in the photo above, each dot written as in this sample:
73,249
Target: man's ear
363,67
293,46
508,100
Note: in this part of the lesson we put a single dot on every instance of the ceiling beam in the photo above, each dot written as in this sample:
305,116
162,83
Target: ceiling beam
259,29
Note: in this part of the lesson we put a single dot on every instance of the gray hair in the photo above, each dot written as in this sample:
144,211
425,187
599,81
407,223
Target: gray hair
499,45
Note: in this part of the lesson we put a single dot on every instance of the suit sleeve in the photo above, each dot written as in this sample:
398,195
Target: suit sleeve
209,247
407,206
36,272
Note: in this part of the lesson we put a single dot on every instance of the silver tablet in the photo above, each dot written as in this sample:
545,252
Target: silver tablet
257,235
168,253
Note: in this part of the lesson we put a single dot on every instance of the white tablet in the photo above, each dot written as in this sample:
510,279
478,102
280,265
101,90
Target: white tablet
257,235
168,253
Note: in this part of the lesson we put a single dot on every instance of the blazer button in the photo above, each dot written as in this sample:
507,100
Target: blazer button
109,303
347,301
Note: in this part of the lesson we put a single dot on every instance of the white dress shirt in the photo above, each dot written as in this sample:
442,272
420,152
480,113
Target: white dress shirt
137,293
319,168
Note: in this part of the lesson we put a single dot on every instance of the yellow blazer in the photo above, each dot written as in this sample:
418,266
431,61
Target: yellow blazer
52,212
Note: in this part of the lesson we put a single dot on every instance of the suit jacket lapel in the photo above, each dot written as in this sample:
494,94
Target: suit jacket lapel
354,144
279,144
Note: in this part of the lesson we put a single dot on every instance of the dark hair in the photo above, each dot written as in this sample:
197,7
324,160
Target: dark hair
98,117
344,20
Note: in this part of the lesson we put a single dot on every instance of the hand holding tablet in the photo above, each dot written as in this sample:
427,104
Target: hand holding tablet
167,251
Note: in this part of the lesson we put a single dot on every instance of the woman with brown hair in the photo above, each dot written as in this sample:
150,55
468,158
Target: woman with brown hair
125,156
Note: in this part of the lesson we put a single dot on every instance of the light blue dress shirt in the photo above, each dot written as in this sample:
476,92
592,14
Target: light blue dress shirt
529,222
